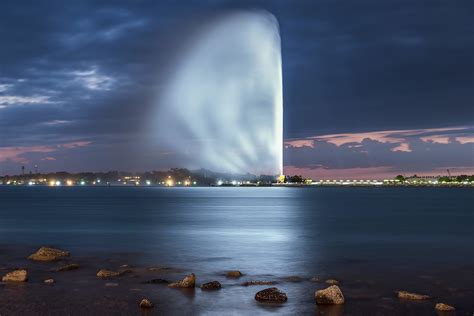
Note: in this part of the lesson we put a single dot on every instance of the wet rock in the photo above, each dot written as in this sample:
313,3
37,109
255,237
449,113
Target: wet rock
188,282
16,276
48,254
250,283
412,296
48,281
68,267
214,285
315,279
145,303
157,281
332,282
233,274
104,274
444,307
272,294
329,296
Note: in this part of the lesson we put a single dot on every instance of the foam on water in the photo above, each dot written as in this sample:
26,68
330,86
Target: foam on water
223,108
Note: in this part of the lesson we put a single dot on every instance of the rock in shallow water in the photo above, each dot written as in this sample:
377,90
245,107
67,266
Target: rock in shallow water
104,274
412,296
188,282
444,307
49,281
234,274
329,296
48,254
272,294
145,303
16,276
214,285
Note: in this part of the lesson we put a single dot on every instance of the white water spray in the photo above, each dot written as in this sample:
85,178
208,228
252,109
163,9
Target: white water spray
223,108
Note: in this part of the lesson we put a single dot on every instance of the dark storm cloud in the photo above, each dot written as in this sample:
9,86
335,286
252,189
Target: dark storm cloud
90,71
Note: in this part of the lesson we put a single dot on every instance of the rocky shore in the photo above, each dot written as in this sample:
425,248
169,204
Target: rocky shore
51,267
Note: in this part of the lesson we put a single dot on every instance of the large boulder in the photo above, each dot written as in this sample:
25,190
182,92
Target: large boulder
444,307
273,295
412,296
189,281
48,254
16,276
214,285
329,296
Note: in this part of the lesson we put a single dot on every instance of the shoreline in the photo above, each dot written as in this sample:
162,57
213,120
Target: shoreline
76,282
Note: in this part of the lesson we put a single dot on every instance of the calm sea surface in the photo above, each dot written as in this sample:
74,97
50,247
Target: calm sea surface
373,240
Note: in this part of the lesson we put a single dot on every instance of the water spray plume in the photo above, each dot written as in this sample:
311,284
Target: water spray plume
223,108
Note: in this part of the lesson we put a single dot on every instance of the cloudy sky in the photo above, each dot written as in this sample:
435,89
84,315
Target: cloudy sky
371,88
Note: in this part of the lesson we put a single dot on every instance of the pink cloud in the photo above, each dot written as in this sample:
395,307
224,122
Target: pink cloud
437,139
405,147
300,143
399,137
15,153
75,144
465,139
48,158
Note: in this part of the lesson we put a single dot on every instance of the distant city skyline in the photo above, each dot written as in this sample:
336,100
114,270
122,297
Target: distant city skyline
369,91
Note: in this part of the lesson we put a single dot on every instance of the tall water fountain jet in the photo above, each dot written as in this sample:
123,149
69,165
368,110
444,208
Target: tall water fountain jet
223,108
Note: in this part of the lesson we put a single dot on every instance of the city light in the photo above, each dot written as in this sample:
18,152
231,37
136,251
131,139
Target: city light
219,182
69,182
169,182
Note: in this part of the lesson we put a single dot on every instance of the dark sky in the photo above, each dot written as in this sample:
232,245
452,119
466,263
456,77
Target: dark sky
371,88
